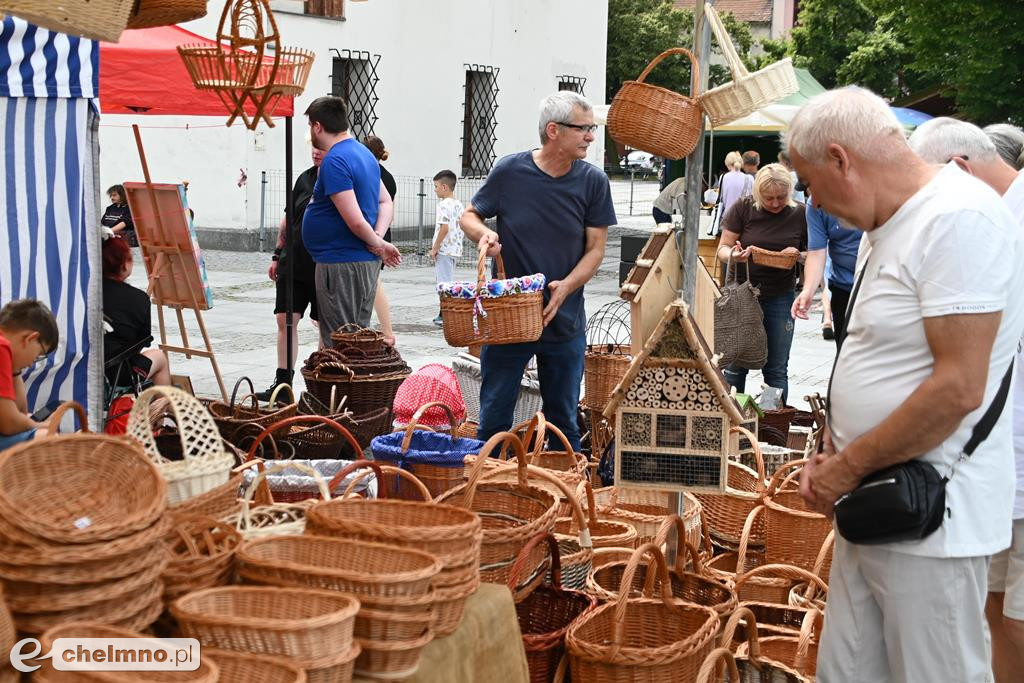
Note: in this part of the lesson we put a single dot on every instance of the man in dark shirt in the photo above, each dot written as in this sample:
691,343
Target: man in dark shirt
553,210
303,284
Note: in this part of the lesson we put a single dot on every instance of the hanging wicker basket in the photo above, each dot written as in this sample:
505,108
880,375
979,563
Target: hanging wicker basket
747,92
97,19
655,119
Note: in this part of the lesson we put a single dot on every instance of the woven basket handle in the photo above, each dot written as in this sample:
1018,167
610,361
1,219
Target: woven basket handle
569,452
748,527
277,390
303,419
199,435
351,351
811,624
252,392
625,586
414,422
781,476
536,432
503,439
725,43
524,557
819,561
481,267
586,490
711,673
53,424
261,475
354,466
390,469
758,457
782,571
683,546
350,328
318,373
750,625
694,68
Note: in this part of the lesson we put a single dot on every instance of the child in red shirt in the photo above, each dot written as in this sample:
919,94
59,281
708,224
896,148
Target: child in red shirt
28,332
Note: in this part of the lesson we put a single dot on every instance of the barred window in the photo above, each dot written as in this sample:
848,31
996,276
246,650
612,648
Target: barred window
479,120
354,79
573,83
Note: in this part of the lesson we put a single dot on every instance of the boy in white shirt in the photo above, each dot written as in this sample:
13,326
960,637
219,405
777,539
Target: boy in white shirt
447,244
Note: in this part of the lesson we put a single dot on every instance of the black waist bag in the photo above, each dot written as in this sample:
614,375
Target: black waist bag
905,502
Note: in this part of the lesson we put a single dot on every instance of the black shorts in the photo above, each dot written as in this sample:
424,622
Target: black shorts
303,294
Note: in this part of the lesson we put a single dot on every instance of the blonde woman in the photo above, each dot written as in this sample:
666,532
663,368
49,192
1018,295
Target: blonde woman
768,219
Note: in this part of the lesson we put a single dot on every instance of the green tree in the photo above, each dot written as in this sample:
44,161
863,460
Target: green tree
828,32
640,30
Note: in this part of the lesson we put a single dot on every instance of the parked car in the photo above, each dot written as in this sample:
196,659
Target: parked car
640,162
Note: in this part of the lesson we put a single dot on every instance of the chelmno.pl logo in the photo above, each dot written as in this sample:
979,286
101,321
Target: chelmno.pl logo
109,654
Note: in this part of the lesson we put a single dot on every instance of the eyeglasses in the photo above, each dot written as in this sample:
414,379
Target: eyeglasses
43,356
580,127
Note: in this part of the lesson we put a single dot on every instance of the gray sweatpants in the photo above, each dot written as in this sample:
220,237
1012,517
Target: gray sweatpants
344,294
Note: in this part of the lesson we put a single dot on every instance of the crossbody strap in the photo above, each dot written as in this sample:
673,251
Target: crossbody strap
984,426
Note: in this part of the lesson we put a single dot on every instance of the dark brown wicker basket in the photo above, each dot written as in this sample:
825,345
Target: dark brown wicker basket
352,335
365,393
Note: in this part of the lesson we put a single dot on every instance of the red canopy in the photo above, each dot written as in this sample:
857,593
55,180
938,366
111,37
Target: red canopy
144,74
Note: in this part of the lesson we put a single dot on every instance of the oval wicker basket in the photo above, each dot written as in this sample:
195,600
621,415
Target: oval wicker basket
97,19
152,13
299,623
245,667
48,495
509,318
655,119
206,464
774,259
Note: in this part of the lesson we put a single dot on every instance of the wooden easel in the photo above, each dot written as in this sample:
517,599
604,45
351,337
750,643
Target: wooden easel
171,259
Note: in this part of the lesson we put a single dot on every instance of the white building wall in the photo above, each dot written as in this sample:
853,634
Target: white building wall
423,47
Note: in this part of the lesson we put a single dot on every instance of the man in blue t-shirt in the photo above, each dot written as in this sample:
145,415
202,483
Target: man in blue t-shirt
345,221
553,210
824,232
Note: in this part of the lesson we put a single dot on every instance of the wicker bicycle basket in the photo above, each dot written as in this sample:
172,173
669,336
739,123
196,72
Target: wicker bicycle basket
546,613
655,119
491,311
206,464
747,92
661,641
152,13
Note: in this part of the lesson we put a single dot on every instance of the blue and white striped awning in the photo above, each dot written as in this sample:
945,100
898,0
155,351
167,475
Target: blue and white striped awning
48,200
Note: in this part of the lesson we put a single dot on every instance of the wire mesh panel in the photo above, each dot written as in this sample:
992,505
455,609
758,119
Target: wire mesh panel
479,121
354,79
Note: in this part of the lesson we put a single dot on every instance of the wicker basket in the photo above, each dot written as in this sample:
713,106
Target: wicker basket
470,378
512,513
275,519
725,513
774,259
202,553
363,393
137,609
298,623
545,613
627,640
607,533
657,120
78,488
507,318
102,20
603,368
780,420
206,464
757,660
773,584
351,334
8,635
152,13
245,667
648,516
235,416
216,503
747,92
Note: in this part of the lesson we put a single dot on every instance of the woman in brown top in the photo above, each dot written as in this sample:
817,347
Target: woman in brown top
769,219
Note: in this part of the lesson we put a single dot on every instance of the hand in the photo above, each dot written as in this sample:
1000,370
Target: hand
272,272
801,305
490,240
433,255
739,253
390,255
790,250
807,474
558,291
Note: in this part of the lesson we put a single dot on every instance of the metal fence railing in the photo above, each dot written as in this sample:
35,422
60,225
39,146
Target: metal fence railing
416,203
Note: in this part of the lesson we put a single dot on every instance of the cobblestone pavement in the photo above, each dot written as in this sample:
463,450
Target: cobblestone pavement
243,331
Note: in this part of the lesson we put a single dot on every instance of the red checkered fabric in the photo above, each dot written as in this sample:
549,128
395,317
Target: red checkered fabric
433,382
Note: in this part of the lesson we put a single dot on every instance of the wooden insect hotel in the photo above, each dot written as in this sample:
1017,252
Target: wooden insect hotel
673,411
248,69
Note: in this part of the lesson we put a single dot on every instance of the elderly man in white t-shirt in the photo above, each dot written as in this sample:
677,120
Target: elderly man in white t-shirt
930,336
939,141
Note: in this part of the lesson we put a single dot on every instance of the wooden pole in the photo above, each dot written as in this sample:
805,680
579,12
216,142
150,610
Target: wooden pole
289,245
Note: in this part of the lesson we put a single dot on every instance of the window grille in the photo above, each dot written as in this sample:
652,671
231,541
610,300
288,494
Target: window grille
573,83
479,120
354,79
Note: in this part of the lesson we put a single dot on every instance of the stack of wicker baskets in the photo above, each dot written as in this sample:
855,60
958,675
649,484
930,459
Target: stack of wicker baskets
306,628
394,587
450,533
367,379
202,555
82,525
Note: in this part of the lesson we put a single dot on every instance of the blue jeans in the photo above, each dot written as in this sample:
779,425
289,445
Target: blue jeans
778,326
560,370
8,440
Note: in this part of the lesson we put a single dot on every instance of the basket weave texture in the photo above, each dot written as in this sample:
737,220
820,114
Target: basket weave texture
152,13
510,318
98,19
655,119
